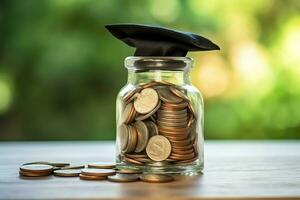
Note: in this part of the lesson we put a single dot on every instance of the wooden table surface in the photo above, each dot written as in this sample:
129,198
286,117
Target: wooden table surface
233,169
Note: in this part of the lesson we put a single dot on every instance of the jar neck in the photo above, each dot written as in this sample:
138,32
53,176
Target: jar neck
175,77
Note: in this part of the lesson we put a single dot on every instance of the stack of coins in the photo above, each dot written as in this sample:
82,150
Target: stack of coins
93,172
36,170
157,124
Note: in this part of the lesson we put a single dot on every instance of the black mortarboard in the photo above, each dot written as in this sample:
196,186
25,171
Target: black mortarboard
159,41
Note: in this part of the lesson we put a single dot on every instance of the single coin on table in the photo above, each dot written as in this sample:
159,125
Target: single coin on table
34,174
73,167
36,168
158,148
146,101
156,178
123,178
102,165
97,172
67,172
92,178
59,164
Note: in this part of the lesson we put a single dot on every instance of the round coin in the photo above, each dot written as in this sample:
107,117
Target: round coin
133,161
73,167
156,178
127,97
146,101
34,174
167,96
102,165
127,114
158,148
97,172
143,135
129,171
178,93
59,164
143,117
123,136
38,168
92,178
152,128
123,178
67,172
132,139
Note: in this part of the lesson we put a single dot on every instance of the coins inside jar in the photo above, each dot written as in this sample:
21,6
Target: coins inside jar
158,125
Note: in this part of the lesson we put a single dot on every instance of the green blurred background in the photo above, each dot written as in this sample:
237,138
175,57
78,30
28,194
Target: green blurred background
60,70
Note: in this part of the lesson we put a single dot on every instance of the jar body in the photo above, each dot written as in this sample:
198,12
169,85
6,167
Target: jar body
159,116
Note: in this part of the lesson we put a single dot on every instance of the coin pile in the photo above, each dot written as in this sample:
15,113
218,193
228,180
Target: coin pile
157,126
93,171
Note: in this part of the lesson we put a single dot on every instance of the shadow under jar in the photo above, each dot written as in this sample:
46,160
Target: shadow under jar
160,117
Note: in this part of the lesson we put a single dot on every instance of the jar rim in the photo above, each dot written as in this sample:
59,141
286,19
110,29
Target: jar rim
144,63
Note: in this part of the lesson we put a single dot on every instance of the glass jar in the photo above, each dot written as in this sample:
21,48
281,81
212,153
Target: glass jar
159,116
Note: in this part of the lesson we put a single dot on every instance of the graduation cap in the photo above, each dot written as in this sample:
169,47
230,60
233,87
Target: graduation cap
159,41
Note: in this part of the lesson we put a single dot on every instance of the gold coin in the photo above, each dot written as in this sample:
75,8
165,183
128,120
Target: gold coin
172,112
129,171
36,168
156,178
167,96
158,164
175,120
143,117
128,112
146,101
67,172
143,160
123,178
134,156
102,165
143,135
130,94
173,106
73,167
97,172
172,124
92,178
176,137
37,162
186,161
130,160
123,136
173,130
182,148
158,148
34,174
188,151
182,157
178,93
180,142
152,128
59,164
132,139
